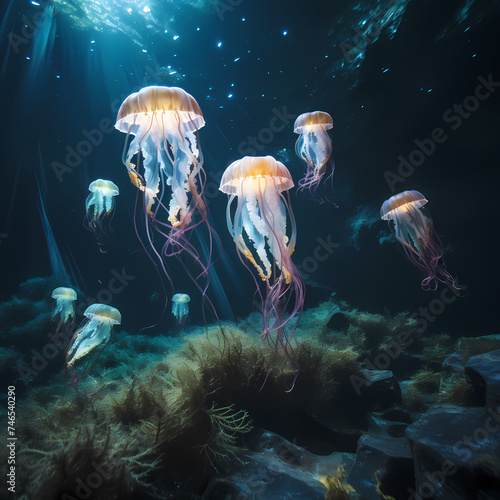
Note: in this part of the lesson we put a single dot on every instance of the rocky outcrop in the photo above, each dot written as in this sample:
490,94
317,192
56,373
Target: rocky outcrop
451,446
483,373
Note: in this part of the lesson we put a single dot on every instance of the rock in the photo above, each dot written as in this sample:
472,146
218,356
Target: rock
468,347
274,469
483,373
449,446
392,423
338,321
379,451
378,389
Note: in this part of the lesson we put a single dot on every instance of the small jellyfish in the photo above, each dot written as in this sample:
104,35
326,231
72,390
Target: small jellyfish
94,330
63,311
413,228
314,146
100,207
264,231
180,308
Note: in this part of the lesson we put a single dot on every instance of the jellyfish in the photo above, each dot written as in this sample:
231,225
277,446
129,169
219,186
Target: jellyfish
95,330
314,146
100,207
264,231
413,228
180,308
63,311
165,121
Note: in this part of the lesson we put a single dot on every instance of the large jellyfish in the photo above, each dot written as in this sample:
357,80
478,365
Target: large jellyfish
180,308
165,121
100,207
414,230
264,231
63,311
314,146
95,330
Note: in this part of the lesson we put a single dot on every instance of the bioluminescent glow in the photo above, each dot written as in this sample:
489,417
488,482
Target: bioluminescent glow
314,146
63,310
414,230
100,207
264,231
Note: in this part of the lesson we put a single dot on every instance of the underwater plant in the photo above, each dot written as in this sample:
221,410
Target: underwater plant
63,310
100,207
258,226
314,146
180,308
414,230
95,330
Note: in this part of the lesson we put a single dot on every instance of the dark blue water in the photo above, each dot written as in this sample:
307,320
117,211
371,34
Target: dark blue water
386,72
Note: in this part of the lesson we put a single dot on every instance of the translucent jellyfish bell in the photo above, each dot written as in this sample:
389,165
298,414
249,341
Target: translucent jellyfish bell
63,310
264,231
414,230
94,331
314,146
180,308
165,121
100,206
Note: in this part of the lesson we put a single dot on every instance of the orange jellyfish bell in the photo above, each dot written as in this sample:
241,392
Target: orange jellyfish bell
255,170
401,202
312,119
167,106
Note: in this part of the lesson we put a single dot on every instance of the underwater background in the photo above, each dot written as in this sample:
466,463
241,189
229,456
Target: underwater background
202,409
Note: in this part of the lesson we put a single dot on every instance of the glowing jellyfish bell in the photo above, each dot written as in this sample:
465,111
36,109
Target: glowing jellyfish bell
180,308
63,310
100,207
314,146
95,330
165,121
414,230
264,231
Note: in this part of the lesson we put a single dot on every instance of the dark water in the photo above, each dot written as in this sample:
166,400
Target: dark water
409,62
